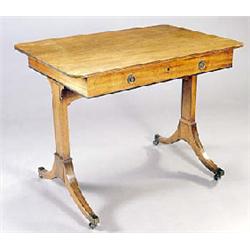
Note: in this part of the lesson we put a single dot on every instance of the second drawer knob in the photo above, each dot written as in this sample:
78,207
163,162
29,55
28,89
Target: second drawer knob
202,65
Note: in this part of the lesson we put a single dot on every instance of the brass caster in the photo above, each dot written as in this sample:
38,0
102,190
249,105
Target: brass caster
156,140
94,221
219,172
92,225
40,170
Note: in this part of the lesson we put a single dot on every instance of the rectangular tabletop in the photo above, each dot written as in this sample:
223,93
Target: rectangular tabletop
107,62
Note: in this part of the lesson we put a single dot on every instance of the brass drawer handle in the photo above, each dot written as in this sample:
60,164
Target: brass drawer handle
202,65
131,78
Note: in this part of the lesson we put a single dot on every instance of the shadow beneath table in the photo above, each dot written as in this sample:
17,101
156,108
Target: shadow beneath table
138,183
132,187
152,169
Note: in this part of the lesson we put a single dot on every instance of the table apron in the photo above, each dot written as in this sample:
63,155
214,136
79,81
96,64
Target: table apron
109,82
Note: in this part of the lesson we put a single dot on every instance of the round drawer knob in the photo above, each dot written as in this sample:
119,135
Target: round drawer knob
131,78
202,65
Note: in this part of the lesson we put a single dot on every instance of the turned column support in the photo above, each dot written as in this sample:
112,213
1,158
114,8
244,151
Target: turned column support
63,165
187,127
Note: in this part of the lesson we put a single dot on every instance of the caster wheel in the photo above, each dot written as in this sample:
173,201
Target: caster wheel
40,170
220,172
92,225
156,140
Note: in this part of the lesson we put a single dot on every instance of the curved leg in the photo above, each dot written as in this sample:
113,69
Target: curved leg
187,128
63,166
64,170
192,138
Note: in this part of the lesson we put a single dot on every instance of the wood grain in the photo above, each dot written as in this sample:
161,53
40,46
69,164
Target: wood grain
109,82
98,64
85,55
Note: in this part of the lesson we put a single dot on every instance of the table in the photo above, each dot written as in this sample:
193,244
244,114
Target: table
97,64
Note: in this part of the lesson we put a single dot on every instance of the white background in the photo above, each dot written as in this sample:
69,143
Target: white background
132,185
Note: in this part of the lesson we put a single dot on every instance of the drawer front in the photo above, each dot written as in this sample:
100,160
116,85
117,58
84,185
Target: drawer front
140,75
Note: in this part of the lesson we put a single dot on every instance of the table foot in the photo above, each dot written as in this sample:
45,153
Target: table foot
45,174
220,172
188,132
172,139
64,170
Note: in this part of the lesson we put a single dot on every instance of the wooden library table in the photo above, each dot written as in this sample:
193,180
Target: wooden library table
107,62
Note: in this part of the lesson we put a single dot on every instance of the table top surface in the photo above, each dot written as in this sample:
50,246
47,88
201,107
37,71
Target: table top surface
85,55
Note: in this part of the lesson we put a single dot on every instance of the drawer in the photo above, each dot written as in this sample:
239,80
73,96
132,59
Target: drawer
146,74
